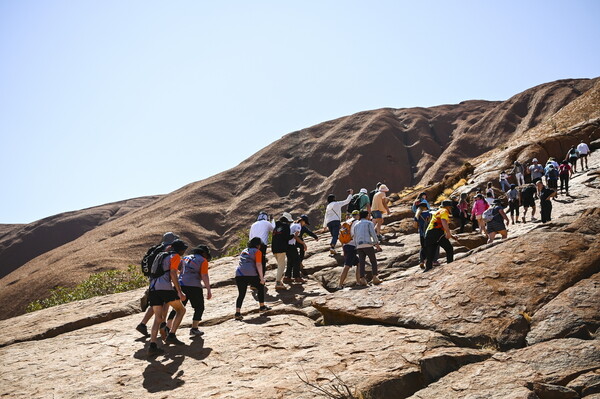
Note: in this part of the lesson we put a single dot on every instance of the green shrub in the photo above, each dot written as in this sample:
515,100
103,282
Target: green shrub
103,283
242,243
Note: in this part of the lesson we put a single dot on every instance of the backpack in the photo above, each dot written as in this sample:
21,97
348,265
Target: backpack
354,203
553,174
488,215
345,236
157,270
148,259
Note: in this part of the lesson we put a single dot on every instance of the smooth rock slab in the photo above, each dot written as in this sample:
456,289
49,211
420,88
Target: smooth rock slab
260,357
575,312
539,371
479,299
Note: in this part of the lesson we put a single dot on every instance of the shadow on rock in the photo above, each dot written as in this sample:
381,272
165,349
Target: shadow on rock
162,373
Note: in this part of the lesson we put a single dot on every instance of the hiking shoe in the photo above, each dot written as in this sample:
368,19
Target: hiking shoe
422,265
142,329
238,316
154,350
264,308
172,339
376,280
194,332
287,280
299,280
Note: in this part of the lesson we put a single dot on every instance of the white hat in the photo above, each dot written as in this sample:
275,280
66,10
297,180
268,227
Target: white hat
364,191
287,216
534,160
383,188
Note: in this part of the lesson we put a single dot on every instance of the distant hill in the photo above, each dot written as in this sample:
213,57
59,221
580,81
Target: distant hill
401,147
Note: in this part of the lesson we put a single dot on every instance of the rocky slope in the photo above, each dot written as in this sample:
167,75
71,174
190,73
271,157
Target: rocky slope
512,319
21,243
294,174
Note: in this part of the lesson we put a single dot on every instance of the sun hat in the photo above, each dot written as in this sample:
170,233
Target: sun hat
383,188
179,246
305,218
169,237
287,216
355,212
364,191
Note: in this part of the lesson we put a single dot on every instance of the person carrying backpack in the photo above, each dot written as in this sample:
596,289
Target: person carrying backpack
479,206
293,257
514,200
496,225
349,249
572,157
333,218
552,177
528,195
438,234
165,289
146,263
308,231
564,171
422,218
193,272
366,239
249,272
279,246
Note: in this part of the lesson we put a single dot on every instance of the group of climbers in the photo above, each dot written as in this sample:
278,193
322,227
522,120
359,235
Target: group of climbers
175,279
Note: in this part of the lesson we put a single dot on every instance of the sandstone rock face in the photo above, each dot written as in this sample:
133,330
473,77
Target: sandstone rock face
575,312
540,371
479,299
265,356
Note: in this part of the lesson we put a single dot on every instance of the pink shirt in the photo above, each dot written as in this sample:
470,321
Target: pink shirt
479,207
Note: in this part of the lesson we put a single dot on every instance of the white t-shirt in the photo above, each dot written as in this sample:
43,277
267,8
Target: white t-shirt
261,228
294,228
583,149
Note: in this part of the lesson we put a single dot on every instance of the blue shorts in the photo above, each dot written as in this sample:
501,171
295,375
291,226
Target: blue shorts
377,214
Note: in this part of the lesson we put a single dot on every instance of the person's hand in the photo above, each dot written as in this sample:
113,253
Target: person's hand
208,295
305,247
182,296
262,281
350,191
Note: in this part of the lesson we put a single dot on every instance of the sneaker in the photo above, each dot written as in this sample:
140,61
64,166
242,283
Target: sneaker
194,332
264,308
299,280
287,280
143,329
332,251
376,280
154,350
238,316
422,265
172,339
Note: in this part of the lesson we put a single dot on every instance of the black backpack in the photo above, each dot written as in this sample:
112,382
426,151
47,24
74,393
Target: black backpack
281,236
353,205
148,259
157,270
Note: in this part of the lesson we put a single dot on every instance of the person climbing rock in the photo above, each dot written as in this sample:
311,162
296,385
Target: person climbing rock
333,218
366,241
249,272
496,225
438,234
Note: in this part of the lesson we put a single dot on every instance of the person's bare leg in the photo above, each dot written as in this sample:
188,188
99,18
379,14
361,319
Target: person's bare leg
180,309
343,276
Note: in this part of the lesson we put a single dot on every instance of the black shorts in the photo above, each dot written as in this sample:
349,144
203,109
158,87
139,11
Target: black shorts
573,161
527,202
160,297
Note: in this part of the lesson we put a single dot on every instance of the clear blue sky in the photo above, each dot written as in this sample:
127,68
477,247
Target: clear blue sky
107,100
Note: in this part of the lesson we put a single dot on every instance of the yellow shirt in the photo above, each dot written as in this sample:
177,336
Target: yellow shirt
437,217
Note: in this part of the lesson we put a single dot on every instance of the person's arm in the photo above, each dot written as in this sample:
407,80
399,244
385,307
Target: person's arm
175,260
503,214
347,200
310,233
299,240
205,279
385,201
258,265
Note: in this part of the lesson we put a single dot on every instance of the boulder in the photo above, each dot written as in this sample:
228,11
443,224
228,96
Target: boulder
575,312
481,299
540,371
